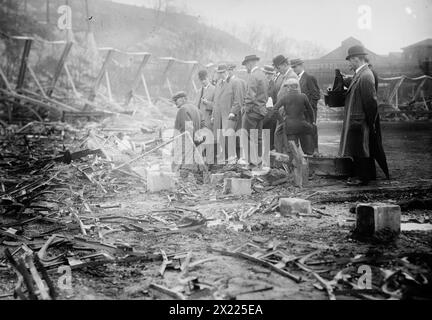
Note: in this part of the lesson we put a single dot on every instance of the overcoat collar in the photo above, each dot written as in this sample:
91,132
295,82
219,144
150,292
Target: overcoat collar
357,77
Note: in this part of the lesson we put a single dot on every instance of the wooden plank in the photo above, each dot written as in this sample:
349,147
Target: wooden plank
100,76
24,59
138,76
59,67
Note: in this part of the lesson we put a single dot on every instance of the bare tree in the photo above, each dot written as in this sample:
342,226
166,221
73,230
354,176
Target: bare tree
254,36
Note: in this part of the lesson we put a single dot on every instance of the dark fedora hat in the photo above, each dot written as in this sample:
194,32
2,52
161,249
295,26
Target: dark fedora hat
356,51
278,60
296,62
178,95
268,69
251,57
221,68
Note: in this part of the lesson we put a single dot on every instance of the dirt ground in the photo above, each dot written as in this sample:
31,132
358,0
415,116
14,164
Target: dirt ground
409,150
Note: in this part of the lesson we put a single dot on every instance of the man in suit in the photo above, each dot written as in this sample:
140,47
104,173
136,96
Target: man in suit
285,71
308,86
361,132
270,120
236,115
228,102
254,112
205,98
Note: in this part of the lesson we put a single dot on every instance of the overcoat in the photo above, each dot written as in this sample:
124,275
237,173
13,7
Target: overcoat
228,98
361,132
206,108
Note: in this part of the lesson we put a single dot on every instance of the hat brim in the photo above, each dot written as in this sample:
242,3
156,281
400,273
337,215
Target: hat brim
355,55
253,59
297,64
176,98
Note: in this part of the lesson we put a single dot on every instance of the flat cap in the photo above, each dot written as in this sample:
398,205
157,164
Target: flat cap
178,95
221,68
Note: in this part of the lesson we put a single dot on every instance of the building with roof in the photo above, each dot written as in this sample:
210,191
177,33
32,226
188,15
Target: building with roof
394,64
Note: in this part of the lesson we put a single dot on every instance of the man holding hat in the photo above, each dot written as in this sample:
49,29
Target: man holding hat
205,98
282,65
228,102
308,86
254,110
361,132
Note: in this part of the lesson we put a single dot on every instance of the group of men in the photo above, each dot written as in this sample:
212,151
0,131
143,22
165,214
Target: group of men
233,105
283,99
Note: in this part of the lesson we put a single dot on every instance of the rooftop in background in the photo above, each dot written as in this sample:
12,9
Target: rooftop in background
340,53
424,43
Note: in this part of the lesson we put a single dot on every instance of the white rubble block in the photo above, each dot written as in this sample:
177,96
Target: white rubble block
373,217
237,186
292,206
216,178
160,181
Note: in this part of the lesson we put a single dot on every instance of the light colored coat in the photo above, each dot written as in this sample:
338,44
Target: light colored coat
206,109
256,95
229,97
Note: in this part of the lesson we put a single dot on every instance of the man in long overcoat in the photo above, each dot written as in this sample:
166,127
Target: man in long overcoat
228,102
361,133
254,111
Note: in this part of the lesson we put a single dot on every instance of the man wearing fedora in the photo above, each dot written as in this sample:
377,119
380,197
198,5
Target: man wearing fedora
285,71
205,98
254,111
361,132
228,102
308,86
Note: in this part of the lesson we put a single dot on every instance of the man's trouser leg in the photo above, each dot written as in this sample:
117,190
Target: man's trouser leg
281,140
365,169
253,130
315,134
270,124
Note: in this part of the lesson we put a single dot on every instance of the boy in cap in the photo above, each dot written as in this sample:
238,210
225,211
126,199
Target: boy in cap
187,114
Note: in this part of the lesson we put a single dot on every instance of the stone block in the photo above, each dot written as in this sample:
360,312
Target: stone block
216,178
292,206
373,217
237,186
160,181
